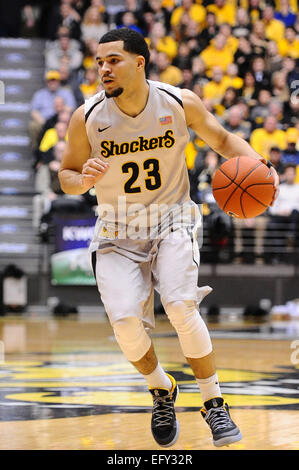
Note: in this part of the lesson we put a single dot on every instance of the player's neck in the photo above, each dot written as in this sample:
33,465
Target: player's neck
133,101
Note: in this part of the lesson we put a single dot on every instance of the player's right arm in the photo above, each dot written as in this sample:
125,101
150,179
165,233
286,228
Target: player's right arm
78,172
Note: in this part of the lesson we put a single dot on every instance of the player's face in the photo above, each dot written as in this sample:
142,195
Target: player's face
117,68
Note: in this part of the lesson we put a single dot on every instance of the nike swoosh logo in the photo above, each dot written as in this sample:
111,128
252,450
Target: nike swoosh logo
102,130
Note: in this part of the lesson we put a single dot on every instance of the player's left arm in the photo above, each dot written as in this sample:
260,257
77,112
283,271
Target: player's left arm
206,126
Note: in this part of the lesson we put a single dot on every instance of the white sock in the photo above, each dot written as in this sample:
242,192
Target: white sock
158,379
209,387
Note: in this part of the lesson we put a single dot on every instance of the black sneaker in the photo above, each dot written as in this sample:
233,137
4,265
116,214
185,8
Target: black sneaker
217,416
165,427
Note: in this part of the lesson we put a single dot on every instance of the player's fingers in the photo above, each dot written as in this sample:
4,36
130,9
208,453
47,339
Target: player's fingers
97,163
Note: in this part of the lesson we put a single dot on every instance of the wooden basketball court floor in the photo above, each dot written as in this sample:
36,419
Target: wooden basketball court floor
64,384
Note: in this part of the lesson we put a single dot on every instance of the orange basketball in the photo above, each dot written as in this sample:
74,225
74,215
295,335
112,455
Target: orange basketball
243,187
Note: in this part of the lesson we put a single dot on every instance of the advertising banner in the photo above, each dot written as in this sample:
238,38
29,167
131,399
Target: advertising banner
71,263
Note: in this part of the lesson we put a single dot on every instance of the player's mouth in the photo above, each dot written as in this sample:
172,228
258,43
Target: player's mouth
107,80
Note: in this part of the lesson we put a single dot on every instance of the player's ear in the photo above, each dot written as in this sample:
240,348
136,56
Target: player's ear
140,61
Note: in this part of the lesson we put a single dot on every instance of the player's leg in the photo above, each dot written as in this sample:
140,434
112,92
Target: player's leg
124,287
177,275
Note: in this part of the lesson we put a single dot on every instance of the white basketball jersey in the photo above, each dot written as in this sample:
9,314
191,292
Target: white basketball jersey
145,153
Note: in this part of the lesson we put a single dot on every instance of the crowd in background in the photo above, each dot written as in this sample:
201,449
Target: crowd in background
240,56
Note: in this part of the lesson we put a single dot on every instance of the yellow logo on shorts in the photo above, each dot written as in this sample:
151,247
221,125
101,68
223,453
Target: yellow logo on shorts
112,235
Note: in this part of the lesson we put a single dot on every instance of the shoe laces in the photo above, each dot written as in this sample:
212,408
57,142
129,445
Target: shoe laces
218,418
162,411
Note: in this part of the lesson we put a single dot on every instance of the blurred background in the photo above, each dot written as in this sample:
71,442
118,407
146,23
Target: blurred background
240,56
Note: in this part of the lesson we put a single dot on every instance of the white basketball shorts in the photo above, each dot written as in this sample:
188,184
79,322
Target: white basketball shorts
127,272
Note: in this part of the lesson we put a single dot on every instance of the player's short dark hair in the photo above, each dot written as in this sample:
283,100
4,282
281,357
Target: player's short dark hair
289,165
133,41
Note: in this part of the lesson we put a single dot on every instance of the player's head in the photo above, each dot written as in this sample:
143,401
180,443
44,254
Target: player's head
123,56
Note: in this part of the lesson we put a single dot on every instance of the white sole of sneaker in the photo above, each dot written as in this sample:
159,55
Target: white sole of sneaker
225,441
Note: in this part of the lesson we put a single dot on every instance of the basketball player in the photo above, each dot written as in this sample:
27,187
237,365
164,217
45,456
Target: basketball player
128,141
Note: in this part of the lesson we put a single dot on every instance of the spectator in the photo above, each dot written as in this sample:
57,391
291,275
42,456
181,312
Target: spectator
234,122
285,14
289,45
70,81
52,136
249,90
132,6
262,77
91,83
282,230
168,73
183,57
192,10
275,157
291,112
231,41
273,59
70,18
129,20
258,39
261,110
225,12
160,13
162,42
42,104
230,98
92,26
51,198
64,48
291,153
215,88
209,31
255,11
243,56
217,54
279,87
268,136
274,29
91,47
291,71
232,77
242,27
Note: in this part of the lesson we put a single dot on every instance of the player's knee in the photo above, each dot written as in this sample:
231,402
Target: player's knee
190,327
131,337
181,312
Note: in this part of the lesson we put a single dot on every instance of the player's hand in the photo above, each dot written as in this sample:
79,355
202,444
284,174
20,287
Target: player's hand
275,177
92,171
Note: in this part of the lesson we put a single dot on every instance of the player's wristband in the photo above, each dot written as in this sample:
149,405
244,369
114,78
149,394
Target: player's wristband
269,164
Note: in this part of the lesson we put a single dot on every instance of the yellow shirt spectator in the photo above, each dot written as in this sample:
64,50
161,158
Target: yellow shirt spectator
49,139
171,75
166,44
217,54
287,49
235,82
274,30
214,91
263,139
224,14
196,13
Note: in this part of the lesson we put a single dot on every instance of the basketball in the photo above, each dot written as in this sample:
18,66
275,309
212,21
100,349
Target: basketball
243,187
